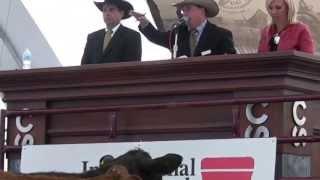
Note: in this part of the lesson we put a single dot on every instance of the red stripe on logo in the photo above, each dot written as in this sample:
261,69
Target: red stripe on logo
228,163
226,175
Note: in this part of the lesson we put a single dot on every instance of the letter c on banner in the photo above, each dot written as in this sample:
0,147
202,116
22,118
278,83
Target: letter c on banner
297,120
27,139
298,130
256,120
23,129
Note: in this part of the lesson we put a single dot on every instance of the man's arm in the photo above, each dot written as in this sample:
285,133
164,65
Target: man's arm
85,56
155,36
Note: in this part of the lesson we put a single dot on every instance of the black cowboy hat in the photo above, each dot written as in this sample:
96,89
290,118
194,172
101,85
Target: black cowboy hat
120,4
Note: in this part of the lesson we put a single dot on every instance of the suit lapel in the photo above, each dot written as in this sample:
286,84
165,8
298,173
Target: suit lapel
203,39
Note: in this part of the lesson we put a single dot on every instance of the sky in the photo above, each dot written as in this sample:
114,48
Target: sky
66,24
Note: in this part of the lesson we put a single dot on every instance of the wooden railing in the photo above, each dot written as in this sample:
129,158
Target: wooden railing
203,97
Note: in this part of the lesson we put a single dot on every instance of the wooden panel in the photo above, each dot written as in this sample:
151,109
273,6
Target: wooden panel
162,100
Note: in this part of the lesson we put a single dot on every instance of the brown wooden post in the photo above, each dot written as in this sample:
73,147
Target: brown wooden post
2,137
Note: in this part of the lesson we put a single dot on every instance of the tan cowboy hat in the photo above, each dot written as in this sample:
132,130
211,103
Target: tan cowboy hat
210,5
120,4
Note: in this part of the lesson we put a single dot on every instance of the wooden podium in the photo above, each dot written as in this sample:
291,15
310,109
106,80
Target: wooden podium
227,96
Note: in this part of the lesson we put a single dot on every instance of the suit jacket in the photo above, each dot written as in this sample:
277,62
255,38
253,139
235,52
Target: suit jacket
213,40
295,36
125,45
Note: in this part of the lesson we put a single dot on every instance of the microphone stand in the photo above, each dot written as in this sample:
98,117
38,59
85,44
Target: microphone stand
175,27
175,46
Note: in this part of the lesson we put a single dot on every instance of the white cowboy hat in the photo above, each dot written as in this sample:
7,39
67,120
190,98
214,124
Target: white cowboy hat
211,6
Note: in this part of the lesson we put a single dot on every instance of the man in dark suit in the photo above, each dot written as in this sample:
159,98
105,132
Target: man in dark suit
115,43
197,37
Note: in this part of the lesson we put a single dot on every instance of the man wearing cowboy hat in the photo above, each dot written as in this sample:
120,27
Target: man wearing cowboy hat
199,37
115,43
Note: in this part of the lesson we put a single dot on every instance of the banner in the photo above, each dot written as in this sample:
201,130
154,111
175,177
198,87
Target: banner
227,159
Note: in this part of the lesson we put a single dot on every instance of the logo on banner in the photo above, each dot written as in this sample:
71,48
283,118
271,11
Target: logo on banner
227,168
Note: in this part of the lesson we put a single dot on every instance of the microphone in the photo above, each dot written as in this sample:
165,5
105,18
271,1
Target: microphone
181,21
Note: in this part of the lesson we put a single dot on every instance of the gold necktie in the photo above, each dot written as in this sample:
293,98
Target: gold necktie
193,41
107,38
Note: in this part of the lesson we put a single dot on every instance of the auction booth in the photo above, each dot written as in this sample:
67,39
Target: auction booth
203,98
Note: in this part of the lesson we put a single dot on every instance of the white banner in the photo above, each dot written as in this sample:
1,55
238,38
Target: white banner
227,159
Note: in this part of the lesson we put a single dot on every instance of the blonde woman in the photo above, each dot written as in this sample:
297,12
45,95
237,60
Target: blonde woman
284,32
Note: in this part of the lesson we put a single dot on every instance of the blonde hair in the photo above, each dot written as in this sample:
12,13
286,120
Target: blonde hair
292,10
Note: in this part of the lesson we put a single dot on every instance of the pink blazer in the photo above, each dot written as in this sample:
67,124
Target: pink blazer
295,36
